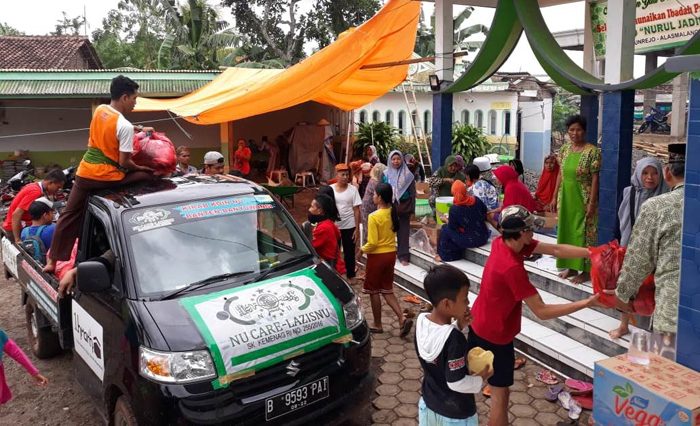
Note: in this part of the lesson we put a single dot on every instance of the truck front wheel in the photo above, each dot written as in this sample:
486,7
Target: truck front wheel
123,415
44,341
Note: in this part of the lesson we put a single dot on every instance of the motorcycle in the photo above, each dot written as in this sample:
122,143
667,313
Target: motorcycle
656,122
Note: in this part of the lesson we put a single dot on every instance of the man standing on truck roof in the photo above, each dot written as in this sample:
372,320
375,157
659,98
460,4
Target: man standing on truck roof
18,215
106,164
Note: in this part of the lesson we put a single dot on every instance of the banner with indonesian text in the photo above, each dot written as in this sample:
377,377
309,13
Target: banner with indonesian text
660,24
254,326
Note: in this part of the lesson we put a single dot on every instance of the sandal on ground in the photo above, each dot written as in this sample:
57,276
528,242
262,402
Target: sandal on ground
574,410
586,402
519,362
553,392
565,399
376,330
546,377
412,299
579,386
406,327
487,391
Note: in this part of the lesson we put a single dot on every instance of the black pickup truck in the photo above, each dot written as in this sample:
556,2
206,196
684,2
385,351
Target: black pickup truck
199,301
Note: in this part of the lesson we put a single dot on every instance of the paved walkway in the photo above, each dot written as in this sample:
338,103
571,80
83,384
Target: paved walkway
395,401
399,383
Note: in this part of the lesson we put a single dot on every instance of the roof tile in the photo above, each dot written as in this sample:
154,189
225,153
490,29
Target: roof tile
48,52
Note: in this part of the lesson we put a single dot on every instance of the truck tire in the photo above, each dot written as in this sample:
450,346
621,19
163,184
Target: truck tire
123,414
43,340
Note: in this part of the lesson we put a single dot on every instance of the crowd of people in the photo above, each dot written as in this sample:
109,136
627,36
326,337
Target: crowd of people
369,207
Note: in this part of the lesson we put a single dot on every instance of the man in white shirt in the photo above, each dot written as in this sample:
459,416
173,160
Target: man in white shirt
347,200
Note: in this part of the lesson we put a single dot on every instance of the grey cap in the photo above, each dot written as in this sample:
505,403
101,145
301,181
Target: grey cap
46,201
213,157
482,163
518,218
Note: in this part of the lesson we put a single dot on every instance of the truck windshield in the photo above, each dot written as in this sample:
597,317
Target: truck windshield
174,246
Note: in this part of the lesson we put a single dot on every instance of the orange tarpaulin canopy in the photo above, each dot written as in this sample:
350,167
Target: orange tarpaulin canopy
331,76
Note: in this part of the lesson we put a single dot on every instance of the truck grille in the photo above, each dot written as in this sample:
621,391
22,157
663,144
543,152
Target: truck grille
317,363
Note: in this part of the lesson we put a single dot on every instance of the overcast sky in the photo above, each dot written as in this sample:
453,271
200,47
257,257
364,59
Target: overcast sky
40,16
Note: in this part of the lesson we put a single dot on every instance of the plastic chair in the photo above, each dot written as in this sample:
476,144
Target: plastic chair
280,175
303,176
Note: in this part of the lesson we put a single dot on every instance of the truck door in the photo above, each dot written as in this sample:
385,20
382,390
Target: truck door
98,327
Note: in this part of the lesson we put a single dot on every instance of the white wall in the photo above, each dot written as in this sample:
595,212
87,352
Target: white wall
49,115
469,101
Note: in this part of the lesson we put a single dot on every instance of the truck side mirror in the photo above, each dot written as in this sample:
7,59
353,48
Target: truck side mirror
93,277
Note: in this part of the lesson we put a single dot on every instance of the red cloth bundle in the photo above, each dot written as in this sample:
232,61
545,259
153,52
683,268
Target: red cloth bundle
606,264
155,151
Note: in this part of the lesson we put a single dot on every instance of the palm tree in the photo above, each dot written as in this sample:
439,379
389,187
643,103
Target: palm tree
425,40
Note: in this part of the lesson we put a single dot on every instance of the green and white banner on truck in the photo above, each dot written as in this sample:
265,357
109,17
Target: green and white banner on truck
252,327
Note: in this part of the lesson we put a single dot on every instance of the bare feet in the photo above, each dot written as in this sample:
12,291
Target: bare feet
438,258
619,332
581,278
568,274
405,262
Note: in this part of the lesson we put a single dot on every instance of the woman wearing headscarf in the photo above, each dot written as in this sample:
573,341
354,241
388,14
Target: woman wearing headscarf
404,186
460,161
647,182
515,192
547,183
371,155
577,200
441,181
517,165
465,226
368,206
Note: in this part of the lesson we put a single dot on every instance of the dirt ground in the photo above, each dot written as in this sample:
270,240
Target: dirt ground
62,401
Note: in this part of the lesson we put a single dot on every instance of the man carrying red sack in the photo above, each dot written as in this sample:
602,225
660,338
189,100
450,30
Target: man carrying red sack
106,164
655,246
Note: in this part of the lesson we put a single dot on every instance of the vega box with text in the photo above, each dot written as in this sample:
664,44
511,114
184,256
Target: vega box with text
662,393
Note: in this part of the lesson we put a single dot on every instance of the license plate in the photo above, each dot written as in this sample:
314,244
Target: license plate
297,398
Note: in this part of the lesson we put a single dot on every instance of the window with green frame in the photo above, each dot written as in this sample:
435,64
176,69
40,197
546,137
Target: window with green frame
479,119
389,117
363,116
376,116
465,116
427,121
493,119
506,122
402,122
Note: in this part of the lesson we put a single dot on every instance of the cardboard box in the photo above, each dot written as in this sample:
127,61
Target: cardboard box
662,393
422,191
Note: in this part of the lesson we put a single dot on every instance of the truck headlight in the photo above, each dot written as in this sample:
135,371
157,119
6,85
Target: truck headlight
176,367
353,313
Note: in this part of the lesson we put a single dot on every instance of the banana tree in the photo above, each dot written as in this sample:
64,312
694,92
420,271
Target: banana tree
425,40
196,37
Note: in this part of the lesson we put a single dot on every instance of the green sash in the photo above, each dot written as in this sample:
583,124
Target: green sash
96,156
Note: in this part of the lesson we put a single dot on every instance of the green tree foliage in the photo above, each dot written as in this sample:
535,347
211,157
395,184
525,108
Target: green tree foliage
69,26
382,135
131,35
565,105
425,40
197,38
469,142
273,25
7,30
329,18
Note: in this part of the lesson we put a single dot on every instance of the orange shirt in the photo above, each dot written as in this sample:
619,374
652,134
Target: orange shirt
111,133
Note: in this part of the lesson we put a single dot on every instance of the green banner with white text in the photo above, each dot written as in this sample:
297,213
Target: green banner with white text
660,24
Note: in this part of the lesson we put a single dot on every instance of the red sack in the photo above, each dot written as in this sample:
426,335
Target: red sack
155,151
644,302
606,264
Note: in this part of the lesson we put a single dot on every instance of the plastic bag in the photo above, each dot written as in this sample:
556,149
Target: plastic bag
606,264
421,241
155,151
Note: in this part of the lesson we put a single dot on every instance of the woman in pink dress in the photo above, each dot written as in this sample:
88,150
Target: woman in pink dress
9,347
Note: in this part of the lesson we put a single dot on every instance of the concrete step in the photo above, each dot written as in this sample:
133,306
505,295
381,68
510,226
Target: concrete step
553,345
544,275
588,327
